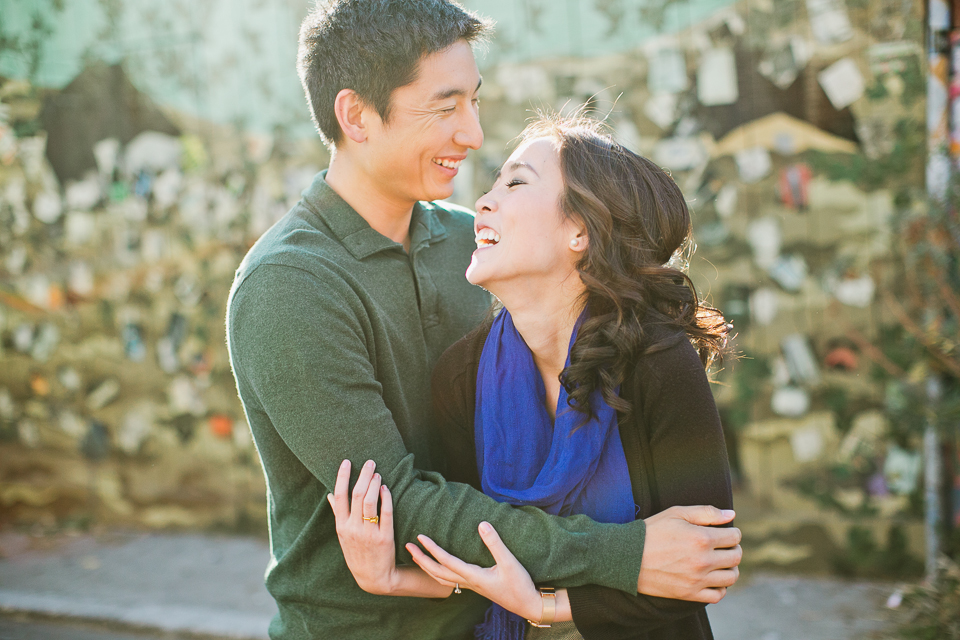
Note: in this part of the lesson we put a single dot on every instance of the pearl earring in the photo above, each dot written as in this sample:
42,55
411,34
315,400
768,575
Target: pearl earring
575,243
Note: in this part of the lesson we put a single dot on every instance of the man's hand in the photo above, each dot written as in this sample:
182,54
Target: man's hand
685,557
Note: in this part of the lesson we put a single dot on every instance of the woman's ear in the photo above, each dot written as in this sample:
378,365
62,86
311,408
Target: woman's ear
349,111
580,242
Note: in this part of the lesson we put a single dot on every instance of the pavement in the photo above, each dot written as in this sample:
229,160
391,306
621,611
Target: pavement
212,586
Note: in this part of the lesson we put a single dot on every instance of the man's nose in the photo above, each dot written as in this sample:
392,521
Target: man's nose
470,134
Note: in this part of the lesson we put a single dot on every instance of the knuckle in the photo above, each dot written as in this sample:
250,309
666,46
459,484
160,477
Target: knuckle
703,539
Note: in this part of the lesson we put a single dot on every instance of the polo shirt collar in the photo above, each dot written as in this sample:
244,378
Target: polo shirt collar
356,234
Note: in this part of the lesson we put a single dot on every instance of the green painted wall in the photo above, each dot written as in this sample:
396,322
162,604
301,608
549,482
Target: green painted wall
233,61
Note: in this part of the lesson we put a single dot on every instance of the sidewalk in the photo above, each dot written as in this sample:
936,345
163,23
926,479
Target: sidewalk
213,585
172,582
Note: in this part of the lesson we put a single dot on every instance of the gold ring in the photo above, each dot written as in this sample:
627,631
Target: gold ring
373,519
456,589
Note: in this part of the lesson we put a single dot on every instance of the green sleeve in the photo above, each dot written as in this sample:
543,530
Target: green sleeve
301,344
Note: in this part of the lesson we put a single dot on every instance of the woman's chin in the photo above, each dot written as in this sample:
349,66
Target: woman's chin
474,273
473,277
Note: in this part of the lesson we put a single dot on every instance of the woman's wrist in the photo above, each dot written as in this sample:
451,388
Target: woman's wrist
413,581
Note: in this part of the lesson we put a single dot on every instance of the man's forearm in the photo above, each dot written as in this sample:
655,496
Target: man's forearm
557,551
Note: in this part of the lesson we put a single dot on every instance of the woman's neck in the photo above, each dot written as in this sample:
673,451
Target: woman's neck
546,322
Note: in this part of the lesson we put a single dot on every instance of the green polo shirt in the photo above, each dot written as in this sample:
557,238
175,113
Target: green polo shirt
333,330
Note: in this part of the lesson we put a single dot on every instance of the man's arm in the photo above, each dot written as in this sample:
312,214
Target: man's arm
299,343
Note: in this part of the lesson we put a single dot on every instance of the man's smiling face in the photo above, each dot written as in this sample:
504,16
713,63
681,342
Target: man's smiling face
433,123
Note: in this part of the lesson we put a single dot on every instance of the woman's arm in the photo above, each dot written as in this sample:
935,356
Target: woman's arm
685,460
366,538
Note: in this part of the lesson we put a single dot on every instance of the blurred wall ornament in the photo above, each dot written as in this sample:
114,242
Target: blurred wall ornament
901,470
829,21
764,305
753,164
765,239
794,186
791,402
782,63
770,131
842,82
800,359
717,77
667,70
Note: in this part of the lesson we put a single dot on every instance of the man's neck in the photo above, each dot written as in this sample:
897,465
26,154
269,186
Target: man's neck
387,215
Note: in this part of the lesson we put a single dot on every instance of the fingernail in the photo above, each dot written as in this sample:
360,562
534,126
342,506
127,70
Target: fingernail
383,489
485,527
344,463
369,463
376,477
728,513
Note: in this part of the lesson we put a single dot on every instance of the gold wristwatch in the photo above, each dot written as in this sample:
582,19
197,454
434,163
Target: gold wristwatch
548,597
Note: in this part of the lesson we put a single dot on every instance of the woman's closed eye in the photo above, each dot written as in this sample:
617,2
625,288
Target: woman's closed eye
515,182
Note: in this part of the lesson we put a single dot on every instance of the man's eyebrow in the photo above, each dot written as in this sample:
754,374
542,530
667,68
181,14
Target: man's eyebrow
451,93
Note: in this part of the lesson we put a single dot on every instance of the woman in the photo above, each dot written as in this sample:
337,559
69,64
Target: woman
585,395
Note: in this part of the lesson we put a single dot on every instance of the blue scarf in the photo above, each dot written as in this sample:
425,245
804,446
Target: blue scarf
524,458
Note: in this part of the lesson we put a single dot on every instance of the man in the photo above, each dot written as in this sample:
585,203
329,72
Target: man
339,312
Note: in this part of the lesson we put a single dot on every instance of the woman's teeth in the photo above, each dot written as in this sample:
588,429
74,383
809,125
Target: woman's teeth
487,237
449,164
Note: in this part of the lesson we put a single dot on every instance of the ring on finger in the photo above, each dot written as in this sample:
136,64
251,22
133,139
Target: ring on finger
373,519
456,589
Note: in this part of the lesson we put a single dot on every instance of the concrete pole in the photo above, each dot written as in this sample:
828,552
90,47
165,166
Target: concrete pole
939,169
931,480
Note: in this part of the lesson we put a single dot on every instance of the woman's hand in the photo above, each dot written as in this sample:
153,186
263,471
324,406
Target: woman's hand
366,538
507,583
368,545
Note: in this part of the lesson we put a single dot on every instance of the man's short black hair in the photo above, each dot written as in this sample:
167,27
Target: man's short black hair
373,47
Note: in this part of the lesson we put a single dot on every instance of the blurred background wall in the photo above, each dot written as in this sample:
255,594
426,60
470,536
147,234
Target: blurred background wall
144,146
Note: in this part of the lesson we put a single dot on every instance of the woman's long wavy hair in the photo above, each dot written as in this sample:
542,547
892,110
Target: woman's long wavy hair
637,224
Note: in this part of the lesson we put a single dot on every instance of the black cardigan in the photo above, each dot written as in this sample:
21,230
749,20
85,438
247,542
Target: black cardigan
675,453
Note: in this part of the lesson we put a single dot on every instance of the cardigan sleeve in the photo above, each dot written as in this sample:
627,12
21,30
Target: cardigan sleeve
684,462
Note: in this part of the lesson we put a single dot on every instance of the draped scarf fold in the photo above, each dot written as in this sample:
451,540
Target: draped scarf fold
565,466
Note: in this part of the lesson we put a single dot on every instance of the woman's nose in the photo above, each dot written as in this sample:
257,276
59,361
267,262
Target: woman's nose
485,204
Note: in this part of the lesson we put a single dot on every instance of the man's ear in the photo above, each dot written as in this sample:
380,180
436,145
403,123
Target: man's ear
349,110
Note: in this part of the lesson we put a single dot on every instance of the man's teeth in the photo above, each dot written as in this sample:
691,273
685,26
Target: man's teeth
450,164
487,237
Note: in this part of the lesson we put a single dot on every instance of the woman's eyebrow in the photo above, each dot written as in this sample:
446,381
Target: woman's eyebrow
513,166
522,165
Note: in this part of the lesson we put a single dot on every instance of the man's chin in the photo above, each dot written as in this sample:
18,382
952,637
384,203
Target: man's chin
439,191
